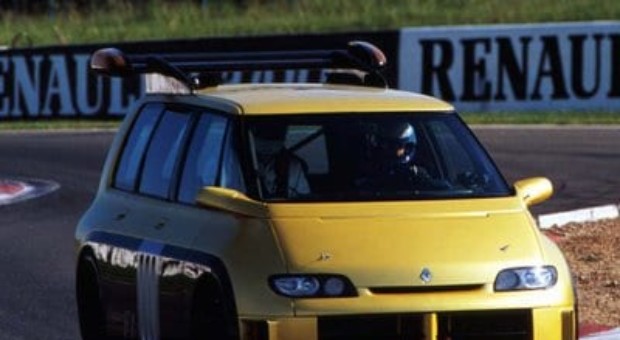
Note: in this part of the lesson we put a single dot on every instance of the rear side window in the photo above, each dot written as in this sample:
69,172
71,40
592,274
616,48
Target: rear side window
204,156
162,156
131,159
172,152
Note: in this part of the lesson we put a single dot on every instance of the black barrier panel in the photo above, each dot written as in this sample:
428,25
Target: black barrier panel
54,82
43,83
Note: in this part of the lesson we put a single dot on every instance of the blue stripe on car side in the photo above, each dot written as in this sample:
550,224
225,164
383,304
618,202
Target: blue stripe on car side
146,248
150,247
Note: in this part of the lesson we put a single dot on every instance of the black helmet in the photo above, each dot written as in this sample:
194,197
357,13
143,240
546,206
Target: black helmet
396,141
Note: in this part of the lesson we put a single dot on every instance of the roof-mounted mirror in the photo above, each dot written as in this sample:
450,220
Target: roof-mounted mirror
195,70
110,62
368,54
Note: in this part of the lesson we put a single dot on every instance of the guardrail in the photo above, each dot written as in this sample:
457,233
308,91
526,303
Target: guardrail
571,66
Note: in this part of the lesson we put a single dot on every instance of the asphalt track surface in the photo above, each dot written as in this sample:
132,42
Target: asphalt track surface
36,236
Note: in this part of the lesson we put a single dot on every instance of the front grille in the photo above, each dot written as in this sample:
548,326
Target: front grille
569,327
496,325
367,327
255,330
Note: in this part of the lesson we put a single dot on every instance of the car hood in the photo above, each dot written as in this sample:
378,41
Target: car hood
460,242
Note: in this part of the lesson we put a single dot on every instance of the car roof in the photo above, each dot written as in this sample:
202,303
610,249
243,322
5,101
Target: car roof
263,99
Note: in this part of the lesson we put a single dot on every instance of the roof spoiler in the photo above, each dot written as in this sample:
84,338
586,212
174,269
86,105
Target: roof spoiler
198,70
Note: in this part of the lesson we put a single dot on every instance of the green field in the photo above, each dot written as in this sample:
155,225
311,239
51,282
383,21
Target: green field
59,124
116,20
125,20
556,118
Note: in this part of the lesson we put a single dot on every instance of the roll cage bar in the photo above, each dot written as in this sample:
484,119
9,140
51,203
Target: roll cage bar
200,70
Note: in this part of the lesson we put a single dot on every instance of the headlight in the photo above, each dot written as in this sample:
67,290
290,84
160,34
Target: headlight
312,285
526,278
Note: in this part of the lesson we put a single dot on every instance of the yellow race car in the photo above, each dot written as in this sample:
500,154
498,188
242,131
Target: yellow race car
333,210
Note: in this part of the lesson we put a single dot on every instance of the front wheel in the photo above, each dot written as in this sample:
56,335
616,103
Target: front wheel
90,308
210,317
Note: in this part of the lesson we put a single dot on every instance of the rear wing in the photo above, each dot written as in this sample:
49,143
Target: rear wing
360,63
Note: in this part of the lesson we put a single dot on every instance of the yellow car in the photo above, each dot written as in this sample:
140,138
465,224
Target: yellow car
336,210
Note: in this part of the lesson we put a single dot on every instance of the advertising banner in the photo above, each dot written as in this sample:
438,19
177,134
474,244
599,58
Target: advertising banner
55,82
568,66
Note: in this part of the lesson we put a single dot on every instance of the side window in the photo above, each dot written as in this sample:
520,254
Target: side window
131,159
203,157
162,155
308,142
231,176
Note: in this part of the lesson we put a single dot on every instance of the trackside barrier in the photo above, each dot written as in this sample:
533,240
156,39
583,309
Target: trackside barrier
592,214
570,66
54,82
566,66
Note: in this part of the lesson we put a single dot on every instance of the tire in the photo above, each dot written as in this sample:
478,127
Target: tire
90,307
210,318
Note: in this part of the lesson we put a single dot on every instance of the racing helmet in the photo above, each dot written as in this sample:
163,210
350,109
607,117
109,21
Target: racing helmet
396,141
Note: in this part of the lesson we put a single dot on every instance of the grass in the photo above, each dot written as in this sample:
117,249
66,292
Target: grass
512,118
124,20
58,124
556,118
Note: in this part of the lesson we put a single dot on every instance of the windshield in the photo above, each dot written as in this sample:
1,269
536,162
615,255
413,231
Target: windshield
368,157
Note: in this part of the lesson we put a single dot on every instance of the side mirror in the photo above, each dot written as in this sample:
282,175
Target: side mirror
110,62
232,201
534,190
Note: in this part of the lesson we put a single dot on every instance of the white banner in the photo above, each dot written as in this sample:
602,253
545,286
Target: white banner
568,66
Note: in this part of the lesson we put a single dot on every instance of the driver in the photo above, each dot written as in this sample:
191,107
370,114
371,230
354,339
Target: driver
391,158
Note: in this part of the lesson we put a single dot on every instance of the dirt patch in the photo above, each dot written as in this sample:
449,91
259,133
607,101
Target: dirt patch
593,254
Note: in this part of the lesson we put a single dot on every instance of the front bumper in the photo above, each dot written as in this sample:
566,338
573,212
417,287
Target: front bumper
521,324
